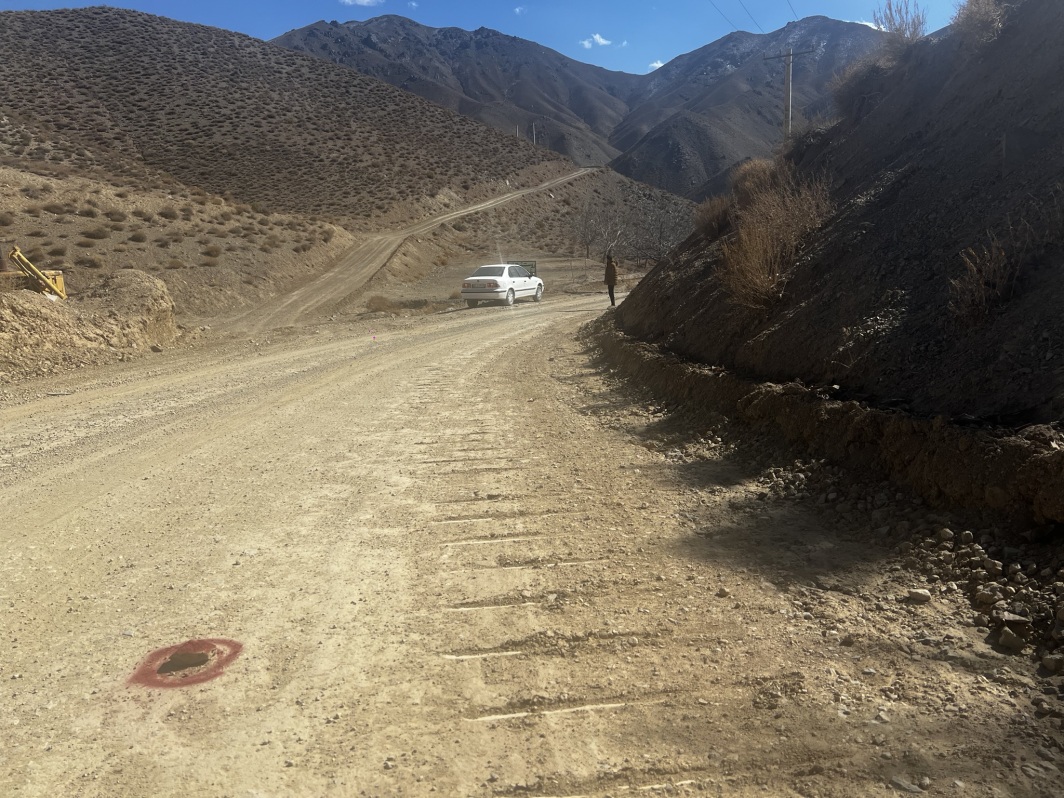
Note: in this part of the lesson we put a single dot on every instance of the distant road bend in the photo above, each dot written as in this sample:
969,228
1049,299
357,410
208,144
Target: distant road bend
361,263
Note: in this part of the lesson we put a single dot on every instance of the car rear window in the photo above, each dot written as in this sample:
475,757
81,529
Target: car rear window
489,271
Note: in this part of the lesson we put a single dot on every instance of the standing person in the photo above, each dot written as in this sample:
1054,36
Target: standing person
611,276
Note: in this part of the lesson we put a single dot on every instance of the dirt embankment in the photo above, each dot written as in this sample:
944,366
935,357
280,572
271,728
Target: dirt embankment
1019,472
126,312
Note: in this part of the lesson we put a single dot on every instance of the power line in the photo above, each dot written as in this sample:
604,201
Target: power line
734,26
747,10
793,11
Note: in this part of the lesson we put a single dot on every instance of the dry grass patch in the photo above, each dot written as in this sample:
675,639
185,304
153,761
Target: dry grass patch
989,279
779,212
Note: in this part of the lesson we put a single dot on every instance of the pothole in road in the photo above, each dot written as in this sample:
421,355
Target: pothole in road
186,664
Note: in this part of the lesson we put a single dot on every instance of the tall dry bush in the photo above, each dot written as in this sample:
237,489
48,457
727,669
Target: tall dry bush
989,278
903,22
858,88
977,22
752,179
779,210
713,217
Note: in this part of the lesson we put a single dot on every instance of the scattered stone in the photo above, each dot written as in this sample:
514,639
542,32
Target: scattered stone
899,783
1011,640
723,593
1054,663
919,595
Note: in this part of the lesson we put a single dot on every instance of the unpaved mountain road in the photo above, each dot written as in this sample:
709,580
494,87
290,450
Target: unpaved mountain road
457,560
353,271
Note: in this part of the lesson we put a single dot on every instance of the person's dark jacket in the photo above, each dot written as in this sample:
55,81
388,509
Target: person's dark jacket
611,272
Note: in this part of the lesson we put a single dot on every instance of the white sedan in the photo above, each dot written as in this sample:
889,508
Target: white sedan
507,282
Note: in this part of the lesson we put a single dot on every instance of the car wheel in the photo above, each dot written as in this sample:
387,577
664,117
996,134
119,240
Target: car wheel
539,294
509,297
472,302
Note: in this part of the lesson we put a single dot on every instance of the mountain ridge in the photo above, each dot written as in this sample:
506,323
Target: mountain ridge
596,116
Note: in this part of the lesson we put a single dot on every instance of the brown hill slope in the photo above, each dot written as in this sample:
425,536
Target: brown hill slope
728,97
233,115
503,81
964,150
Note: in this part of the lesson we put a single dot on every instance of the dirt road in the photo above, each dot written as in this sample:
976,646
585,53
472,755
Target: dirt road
451,557
353,271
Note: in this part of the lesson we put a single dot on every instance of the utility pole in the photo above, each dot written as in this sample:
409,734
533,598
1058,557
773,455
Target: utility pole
788,89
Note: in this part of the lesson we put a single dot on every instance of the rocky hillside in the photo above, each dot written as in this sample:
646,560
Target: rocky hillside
935,287
149,97
680,128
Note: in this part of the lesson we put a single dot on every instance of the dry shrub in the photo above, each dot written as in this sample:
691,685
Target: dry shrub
903,22
977,22
752,179
6,219
97,233
713,217
858,88
989,278
780,212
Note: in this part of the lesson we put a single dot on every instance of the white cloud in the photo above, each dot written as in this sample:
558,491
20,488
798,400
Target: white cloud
601,41
361,2
520,10
413,5
624,43
656,65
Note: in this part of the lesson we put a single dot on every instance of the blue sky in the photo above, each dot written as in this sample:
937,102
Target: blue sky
627,35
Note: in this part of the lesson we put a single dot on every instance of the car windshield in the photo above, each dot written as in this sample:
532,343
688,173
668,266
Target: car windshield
489,271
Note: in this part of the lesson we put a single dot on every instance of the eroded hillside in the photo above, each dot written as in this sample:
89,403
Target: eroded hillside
954,154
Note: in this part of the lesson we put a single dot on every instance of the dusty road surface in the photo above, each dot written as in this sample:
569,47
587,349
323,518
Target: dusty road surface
450,556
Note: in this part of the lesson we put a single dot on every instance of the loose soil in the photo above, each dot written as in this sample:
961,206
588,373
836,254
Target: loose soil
463,557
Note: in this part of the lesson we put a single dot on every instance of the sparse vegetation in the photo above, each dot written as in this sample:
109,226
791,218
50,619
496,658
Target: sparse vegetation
858,88
977,22
778,208
903,21
989,278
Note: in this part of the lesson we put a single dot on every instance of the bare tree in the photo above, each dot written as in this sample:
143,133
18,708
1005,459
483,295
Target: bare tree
636,222
657,228
585,226
614,227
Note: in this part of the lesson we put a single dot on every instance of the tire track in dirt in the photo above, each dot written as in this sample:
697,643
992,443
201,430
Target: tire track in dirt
416,619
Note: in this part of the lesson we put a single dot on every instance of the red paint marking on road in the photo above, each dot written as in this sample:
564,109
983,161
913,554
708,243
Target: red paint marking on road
186,664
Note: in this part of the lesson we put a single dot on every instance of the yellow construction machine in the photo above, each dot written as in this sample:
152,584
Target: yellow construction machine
46,282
